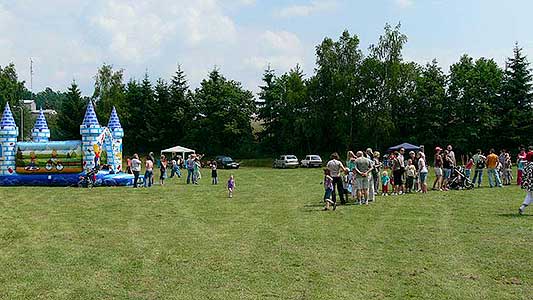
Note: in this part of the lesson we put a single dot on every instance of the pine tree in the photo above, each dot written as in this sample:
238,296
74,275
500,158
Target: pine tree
516,103
71,113
180,107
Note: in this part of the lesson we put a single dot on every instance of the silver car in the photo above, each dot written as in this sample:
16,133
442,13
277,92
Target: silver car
286,161
312,161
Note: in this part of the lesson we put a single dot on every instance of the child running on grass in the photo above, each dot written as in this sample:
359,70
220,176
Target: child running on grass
385,180
231,186
328,190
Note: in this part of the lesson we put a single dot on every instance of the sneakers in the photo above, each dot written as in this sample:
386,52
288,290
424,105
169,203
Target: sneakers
521,210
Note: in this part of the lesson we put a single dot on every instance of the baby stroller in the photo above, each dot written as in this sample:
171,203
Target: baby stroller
88,179
459,181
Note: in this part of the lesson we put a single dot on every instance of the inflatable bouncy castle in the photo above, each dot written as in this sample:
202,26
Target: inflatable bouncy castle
62,163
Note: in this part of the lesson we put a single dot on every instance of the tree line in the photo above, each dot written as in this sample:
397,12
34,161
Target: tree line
353,99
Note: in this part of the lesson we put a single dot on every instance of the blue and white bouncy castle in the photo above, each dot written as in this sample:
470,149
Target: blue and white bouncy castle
62,163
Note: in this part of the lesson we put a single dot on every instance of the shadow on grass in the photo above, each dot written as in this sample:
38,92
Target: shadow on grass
514,215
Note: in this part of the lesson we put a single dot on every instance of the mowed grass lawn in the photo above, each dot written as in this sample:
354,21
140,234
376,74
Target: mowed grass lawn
271,241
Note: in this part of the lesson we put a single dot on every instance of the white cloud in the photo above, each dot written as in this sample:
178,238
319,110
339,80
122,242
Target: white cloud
282,50
404,3
316,6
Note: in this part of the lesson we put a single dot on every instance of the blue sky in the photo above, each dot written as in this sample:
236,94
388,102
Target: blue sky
71,39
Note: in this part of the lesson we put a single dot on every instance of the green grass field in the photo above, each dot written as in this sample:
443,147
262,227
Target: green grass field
271,241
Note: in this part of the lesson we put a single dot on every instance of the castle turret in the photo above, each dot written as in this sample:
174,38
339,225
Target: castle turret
115,146
40,132
8,142
90,130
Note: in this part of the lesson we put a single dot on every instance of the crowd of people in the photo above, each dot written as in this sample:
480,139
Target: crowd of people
193,165
402,173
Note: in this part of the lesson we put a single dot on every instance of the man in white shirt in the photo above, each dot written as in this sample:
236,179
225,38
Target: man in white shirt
335,168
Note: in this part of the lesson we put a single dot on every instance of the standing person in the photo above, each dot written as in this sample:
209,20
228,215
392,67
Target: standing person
214,173
369,154
350,160
128,165
451,154
447,166
507,169
385,180
335,168
527,181
135,169
197,166
479,163
149,172
414,161
468,167
423,172
397,172
190,168
328,190
520,161
492,173
376,171
163,169
363,168
437,164
411,174
231,186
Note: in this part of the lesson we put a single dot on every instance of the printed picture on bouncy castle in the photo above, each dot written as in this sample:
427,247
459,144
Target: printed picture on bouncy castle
49,157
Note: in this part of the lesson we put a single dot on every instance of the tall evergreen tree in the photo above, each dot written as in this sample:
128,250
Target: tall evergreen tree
516,106
71,112
180,107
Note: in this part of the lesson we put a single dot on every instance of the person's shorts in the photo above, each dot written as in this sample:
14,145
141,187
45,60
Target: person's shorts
397,174
423,177
447,173
361,183
438,172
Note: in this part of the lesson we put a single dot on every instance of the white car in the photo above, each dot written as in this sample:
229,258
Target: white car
286,161
312,161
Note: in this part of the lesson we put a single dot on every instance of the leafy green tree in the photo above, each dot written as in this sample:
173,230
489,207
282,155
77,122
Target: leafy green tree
12,91
334,92
49,99
108,91
469,113
427,110
223,122
70,114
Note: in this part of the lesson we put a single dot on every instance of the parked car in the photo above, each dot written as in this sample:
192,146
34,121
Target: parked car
226,162
286,161
311,161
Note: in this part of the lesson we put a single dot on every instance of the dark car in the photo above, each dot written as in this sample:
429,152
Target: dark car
226,162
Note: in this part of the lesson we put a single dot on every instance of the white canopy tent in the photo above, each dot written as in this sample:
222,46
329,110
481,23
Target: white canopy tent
179,149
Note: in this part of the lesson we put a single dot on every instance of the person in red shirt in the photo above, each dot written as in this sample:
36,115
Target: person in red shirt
529,155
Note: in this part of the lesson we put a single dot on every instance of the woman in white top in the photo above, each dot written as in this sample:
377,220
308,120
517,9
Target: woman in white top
423,172
335,168
135,168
